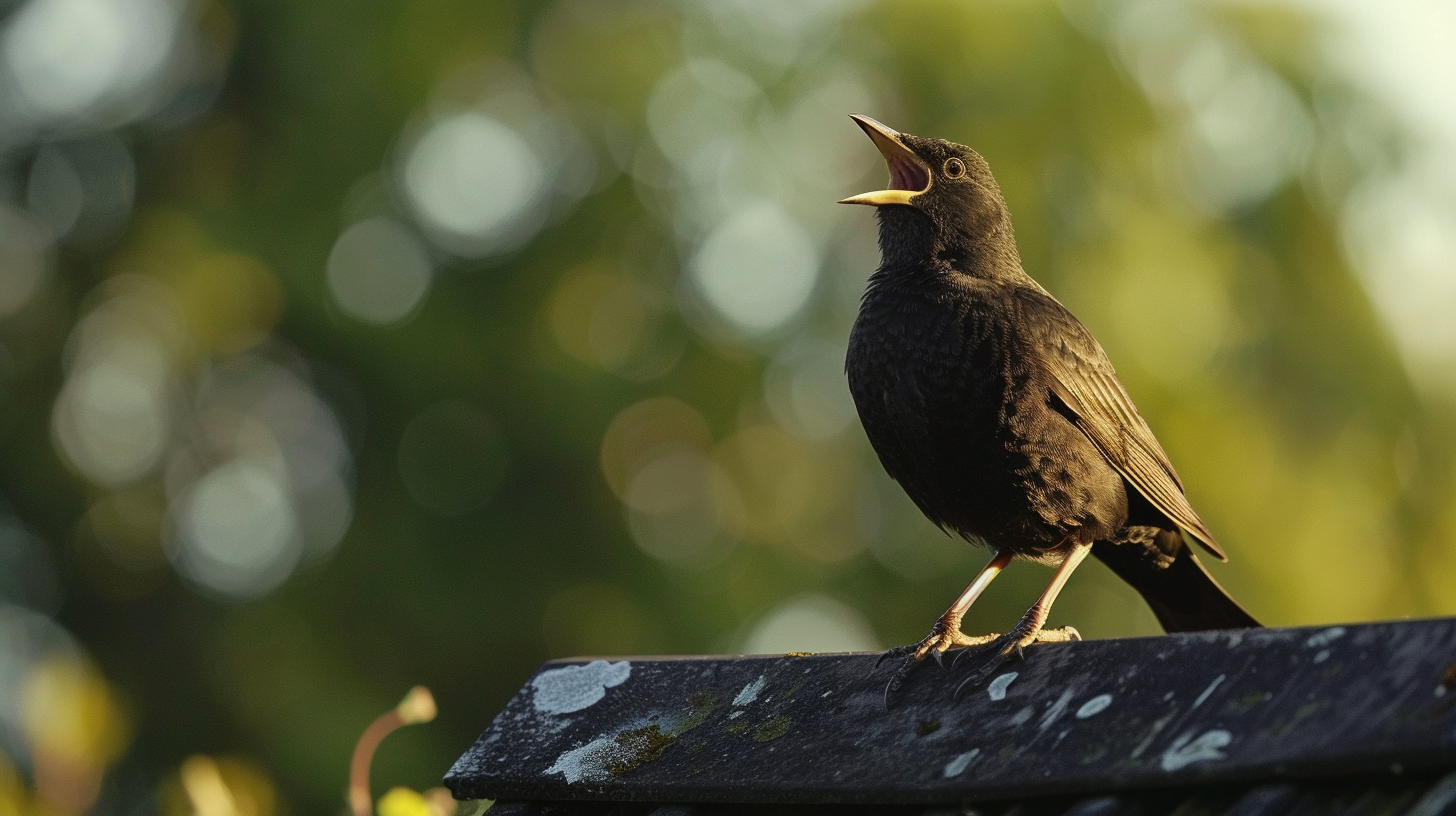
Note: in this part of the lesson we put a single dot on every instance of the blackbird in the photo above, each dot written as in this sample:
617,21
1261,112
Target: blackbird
1000,415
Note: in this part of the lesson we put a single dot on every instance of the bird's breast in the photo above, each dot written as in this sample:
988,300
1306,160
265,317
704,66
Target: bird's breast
930,383
919,362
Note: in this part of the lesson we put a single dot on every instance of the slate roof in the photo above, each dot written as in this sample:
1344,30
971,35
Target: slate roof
1357,719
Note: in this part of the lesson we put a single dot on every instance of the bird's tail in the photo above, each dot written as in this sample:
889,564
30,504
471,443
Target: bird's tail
1184,597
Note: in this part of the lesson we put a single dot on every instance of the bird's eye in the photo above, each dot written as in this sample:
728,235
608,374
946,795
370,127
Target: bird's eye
954,168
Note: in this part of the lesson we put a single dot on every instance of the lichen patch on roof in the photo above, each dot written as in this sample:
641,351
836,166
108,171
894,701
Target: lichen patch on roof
751,691
573,688
997,689
1094,706
958,765
1187,749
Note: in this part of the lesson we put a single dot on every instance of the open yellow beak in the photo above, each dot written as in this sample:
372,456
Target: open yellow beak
909,176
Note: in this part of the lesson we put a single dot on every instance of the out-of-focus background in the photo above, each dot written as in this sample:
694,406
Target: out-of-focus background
348,346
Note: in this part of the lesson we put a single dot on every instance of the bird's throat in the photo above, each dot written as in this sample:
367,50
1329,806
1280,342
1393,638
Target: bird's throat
907,236
912,240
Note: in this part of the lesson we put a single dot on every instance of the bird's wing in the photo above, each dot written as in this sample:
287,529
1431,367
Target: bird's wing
1082,377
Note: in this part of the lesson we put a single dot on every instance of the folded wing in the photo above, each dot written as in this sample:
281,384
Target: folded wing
1083,379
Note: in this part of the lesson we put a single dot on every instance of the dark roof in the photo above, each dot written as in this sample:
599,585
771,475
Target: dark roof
1347,719
1414,795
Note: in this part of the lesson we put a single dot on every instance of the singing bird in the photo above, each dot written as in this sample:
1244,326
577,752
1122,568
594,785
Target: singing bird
1001,416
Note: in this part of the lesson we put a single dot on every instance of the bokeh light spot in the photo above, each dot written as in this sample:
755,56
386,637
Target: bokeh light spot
24,259
807,392
238,531
401,801
325,511
474,182
699,102
112,419
646,431
811,623
231,301
792,493
609,321
68,57
684,511
757,269
377,271
817,148
768,469
53,192
452,458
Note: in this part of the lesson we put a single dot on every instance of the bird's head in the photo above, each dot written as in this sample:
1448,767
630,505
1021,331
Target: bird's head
942,200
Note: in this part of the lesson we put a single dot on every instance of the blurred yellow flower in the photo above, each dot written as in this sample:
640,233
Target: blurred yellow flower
402,801
225,787
14,799
74,728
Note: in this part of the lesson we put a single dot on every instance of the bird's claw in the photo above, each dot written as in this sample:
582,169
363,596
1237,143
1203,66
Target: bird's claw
945,637
898,651
1012,644
942,638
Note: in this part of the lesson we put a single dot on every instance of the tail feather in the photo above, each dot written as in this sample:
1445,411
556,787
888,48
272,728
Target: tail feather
1183,596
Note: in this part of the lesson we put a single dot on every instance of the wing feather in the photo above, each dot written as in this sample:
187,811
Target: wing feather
1083,378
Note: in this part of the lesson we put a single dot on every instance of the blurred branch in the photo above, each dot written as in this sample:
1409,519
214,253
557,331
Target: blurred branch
418,706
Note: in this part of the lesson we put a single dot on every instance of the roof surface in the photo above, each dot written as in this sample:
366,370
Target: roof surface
1253,722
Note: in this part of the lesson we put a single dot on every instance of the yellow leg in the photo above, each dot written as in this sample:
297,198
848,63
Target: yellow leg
1029,629
1030,626
946,633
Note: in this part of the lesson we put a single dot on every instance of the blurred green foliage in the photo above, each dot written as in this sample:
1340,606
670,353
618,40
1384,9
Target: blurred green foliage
513,497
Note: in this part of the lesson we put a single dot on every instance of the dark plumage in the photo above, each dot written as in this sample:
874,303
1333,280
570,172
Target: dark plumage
999,413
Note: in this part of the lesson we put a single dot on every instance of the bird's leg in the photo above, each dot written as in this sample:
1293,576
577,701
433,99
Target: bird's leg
946,633
1029,629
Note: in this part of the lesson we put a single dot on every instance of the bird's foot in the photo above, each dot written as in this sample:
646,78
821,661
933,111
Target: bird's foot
944,636
1012,644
